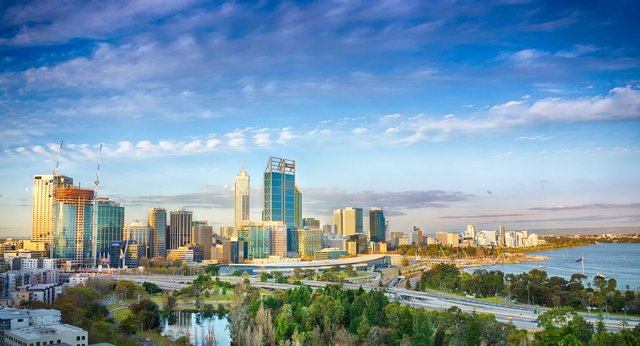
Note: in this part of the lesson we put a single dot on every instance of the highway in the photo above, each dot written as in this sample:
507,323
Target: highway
522,316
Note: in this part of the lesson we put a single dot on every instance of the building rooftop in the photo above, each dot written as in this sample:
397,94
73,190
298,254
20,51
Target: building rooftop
312,264
35,333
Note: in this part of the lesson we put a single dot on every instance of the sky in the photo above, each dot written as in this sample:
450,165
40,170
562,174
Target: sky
443,113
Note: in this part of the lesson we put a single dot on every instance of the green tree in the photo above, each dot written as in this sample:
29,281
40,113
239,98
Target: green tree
422,330
473,334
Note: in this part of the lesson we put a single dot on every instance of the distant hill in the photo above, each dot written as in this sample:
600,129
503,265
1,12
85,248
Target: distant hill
588,230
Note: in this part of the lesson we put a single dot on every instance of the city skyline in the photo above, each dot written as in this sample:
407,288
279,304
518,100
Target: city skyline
524,114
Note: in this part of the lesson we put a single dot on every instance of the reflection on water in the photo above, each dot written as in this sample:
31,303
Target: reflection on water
201,329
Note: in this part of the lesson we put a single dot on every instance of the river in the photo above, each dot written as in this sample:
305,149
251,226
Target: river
201,330
614,260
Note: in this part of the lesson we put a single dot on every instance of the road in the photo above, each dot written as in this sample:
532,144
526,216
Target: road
523,316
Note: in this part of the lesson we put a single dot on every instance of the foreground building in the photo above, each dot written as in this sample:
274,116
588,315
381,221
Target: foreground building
280,198
158,223
72,212
109,226
241,195
43,194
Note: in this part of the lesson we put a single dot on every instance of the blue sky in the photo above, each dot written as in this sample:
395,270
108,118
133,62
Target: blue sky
444,113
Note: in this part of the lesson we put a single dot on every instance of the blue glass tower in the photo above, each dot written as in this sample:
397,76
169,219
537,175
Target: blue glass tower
377,225
280,195
110,224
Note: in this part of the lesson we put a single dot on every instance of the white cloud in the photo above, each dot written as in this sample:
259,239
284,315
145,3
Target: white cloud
392,130
390,116
262,139
286,135
235,139
359,130
39,150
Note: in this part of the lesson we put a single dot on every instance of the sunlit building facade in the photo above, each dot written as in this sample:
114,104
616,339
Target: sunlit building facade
264,239
242,189
180,229
310,241
141,233
43,192
158,223
351,221
72,211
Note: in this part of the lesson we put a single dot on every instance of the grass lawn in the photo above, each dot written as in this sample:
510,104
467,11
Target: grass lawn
120,315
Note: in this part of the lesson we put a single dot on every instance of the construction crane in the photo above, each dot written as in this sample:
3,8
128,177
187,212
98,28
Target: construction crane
57,163
94,223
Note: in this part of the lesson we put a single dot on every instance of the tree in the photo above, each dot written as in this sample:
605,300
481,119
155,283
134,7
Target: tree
422,330
151,287
169,302
473,331
125,288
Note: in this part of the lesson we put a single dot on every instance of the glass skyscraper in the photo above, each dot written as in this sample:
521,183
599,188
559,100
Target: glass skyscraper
377,225
72,223
110,222
158,222
280,197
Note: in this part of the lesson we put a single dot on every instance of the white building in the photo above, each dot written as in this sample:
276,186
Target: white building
45,335
14,319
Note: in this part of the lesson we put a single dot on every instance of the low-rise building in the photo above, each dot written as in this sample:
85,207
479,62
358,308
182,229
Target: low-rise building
41,292
191,253
329,253
46,335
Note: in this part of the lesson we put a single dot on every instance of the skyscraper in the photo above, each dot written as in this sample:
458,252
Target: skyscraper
279,197
242,190
203,235
180,228
377,225
110,224
72,223
298,207
337,221
141,232
416,236
351,221
44,186
158,223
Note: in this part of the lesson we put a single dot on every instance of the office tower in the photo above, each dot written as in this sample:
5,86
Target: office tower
234,250
310,222
377,225
337,222
109,226
72,223
326,229
502,233
361,243
158,223
227,231
297,210
416,236
351,221
310,241
471,232
125,253
180,229
44,186
279,197
447,238
203,235
142,233
264,239
242,190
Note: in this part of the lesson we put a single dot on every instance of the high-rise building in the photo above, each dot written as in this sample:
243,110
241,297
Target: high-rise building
297,210
448,238
351,221
142,233
44,186
203,235
109,226
279,197
125,253
377,225
310,241
416,236
234,250
337,221
264,239
242,190
158,224
310,222
502,233
180,228
361,243
72,211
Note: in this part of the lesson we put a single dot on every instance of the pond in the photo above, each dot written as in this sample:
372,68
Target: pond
202,330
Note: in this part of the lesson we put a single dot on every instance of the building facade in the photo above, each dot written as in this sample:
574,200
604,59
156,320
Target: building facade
158,223
43,193
337,222
142,234
203,235
310,241
280,195
109,226
351,221
377,225
242,190
72,223
180,229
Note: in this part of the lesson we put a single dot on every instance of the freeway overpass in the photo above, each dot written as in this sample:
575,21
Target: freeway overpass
523,316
